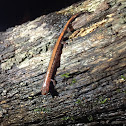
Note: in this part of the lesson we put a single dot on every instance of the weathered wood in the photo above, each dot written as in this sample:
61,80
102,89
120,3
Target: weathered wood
94,89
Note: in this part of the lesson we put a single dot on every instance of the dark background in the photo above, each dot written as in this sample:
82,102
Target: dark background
15,12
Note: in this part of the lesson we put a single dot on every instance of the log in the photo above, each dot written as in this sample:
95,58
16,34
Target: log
91,79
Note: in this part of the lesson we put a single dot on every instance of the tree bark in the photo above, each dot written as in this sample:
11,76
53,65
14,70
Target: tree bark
91,80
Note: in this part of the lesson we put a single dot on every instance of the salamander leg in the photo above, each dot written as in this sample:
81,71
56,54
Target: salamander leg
71,27
64,44
52,89
54,82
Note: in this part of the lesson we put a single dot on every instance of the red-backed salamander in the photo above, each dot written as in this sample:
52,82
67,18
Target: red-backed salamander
55,58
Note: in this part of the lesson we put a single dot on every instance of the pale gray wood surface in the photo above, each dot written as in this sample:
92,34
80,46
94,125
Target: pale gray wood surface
95,58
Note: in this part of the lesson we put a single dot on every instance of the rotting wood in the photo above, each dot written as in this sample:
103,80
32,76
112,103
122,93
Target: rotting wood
91,80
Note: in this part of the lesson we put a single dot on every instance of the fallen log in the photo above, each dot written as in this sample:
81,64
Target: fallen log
91,79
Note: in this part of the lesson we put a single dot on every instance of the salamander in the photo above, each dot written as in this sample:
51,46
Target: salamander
55,58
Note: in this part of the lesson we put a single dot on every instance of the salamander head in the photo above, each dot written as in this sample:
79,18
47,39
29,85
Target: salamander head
45,88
